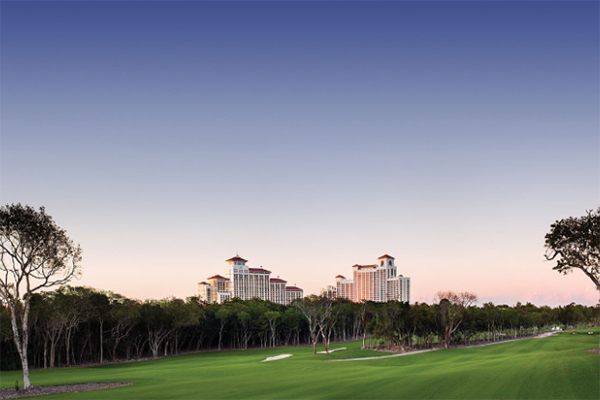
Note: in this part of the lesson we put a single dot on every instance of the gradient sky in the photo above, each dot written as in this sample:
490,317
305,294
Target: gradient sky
308,137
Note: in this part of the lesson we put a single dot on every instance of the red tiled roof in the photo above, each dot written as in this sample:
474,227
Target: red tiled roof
366,266
294,288
258,270
340,276
236,258
386,256
203,283
277,280
218,277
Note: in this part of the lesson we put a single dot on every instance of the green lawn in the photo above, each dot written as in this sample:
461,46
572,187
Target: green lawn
554,367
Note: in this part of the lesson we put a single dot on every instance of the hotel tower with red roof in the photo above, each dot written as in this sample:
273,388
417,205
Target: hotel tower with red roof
374,282
245,283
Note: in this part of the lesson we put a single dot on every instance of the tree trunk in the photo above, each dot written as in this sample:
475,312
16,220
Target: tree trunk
273,328
220,337
67,345
52,353
101,341
447,337
324,342
85,343
21,341
114,352
45,353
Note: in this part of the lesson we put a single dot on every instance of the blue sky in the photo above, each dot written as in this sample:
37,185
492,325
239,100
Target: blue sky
308,136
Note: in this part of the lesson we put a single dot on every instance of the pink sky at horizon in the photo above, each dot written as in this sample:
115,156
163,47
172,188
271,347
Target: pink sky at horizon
539,285
477,256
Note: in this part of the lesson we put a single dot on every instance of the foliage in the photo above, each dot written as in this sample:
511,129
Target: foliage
316,310
453,309
125,329
35,254
391,322
575,243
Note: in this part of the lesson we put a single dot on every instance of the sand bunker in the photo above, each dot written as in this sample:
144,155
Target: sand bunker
279,357
331,351
545,335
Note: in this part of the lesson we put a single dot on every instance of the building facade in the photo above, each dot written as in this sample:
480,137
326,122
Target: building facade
245,283
374,282
292,293
277,290
330,292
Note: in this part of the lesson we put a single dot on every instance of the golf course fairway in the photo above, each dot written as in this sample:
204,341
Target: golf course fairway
557,367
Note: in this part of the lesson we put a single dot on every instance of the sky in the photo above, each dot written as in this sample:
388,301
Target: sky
166,137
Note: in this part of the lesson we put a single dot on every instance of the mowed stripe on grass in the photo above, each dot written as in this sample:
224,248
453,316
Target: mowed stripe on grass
555,367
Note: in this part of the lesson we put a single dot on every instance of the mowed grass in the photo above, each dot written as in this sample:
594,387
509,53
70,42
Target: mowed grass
557,367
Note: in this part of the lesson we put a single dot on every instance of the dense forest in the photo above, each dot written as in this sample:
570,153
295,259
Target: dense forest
81,325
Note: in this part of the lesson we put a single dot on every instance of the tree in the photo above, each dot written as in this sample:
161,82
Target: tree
337,308
390,322
575,243
154,316
423,321
292,322
182,315
316,309
272,317
35,254
52,325
124,315
453,306
100,304
366,315
71,305
223,315
244,319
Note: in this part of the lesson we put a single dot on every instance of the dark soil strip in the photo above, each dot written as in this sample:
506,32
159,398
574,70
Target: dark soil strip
41,390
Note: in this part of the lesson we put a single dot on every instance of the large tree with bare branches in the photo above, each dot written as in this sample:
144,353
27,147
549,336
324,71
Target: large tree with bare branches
317,311
452,308
35,254
575,243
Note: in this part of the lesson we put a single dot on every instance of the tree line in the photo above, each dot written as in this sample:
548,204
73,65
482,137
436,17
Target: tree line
80,325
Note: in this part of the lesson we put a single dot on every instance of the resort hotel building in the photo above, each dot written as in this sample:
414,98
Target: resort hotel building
374,282
245,283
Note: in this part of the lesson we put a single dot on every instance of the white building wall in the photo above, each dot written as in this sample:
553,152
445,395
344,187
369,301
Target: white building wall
246,283
345,289
377,282
329,291
291,295
204,292
277,292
